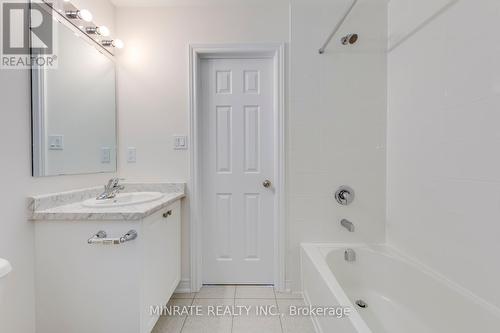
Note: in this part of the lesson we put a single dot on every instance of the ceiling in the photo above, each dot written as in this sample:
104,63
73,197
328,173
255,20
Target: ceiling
155,3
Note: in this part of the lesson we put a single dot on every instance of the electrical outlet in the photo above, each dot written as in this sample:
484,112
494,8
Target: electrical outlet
180,142
56,142
105,155
131,155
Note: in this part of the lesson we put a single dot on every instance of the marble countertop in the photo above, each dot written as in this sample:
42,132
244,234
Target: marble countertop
67,206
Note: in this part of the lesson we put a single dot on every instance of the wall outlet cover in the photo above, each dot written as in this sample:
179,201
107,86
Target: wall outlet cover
105,155
56,142
131,155
180,142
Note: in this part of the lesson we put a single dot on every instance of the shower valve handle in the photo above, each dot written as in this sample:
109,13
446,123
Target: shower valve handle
344,195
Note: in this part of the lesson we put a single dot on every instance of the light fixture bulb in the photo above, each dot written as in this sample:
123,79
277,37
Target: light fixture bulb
85,15
118,43
103,31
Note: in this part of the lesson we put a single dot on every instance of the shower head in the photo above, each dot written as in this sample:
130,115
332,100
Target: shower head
349,39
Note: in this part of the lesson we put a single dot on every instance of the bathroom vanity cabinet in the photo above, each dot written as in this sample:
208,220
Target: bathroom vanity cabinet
82,287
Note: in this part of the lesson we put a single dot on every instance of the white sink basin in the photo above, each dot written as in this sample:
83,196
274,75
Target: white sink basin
124,199
5,268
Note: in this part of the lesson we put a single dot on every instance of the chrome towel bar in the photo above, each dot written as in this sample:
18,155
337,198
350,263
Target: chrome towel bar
101,238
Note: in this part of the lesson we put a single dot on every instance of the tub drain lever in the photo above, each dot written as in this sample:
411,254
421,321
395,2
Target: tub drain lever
361,303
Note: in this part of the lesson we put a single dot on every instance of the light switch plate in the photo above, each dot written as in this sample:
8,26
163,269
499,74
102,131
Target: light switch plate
180,142
105,155
131,155
56,142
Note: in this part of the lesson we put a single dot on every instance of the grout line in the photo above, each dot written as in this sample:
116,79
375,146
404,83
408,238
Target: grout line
232,317
234,303
279,311
185,318
268,298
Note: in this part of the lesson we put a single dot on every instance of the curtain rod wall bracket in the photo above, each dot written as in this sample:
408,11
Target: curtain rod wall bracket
337,27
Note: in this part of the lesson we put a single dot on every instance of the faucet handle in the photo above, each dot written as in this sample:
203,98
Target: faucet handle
113,182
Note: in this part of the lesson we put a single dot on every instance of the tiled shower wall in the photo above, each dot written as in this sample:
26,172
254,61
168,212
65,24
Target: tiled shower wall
443,161
337,125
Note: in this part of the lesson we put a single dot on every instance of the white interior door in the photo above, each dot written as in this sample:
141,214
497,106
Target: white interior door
237,130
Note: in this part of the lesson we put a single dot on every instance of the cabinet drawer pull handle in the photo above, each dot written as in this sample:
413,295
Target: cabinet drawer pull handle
167,214
101,238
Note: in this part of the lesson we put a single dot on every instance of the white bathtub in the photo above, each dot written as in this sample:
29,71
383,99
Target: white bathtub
402,296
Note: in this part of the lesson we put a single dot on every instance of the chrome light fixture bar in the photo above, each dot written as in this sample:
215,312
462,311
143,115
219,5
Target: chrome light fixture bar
102,31
81,14
92,30
118,43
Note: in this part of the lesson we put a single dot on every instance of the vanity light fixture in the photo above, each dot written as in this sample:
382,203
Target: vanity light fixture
102,31
118,43
82,14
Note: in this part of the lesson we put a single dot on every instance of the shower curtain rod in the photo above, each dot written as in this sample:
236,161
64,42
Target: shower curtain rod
337,27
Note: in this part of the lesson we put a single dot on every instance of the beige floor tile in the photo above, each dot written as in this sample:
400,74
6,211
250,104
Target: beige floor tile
205,303
294,324
183,295
213,292
287,295
254,323
249,292
172,324
208,322
284,304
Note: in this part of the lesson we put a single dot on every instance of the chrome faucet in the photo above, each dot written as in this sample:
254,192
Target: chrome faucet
347,224
349,255
111,189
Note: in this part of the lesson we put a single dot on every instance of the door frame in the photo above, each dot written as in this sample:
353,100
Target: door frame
198,52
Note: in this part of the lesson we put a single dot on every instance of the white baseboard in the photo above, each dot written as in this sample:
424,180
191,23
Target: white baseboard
288,285
288,289
183,287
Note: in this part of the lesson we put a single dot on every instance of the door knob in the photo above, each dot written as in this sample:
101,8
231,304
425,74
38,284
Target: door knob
267,183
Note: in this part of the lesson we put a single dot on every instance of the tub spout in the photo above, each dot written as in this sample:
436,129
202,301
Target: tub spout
347,224
350,255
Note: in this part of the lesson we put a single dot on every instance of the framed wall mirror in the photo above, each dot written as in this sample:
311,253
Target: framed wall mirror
74,108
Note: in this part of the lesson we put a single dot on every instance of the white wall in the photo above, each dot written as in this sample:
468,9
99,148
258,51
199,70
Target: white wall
16,233
153,80
336,118
337,125
443,139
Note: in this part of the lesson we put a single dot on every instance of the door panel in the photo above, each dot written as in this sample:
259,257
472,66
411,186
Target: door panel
237,124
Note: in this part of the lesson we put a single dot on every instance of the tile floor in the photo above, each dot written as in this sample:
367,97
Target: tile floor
237,296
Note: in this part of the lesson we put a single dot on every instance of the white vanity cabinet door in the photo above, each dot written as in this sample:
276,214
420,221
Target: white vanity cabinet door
82,288
161,260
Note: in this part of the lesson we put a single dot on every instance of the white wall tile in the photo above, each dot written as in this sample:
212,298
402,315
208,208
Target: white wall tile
443,167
